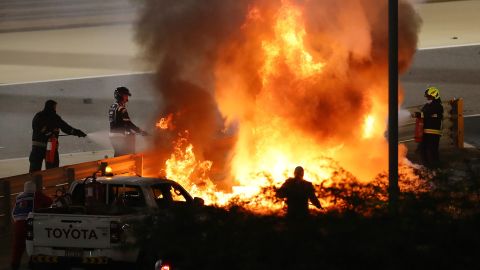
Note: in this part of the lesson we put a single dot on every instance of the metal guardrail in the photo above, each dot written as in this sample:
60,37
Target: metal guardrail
50,180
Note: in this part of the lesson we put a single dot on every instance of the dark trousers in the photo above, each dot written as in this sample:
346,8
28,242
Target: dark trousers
37,155
429,150
18,245
123,145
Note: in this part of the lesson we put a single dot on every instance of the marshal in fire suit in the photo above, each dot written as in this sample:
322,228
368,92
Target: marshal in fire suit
31,198
298,192
122,130
46,124
432,114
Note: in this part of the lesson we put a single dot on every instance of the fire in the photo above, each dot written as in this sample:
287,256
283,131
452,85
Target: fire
277,148
368,126
293,83
288,46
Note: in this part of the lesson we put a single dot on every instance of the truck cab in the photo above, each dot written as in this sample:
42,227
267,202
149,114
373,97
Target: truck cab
94,226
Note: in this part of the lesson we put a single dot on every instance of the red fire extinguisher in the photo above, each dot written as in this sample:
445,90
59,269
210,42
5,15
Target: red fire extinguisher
51,149
418,129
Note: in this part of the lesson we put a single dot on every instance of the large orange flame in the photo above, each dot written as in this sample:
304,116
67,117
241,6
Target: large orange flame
276,90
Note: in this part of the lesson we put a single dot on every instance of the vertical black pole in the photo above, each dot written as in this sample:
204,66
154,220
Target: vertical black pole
393,105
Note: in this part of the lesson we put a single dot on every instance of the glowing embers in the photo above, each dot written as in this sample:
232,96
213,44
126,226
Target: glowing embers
166,122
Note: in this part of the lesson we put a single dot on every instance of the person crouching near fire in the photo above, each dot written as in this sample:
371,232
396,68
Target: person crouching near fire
298,192
432,115
30,199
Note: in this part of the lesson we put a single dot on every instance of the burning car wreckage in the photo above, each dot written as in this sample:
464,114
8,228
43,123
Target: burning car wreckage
253,88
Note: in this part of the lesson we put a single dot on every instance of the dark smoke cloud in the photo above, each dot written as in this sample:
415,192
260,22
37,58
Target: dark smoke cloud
182,38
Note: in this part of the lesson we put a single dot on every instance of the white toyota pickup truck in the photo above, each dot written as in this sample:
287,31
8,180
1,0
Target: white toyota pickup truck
95,226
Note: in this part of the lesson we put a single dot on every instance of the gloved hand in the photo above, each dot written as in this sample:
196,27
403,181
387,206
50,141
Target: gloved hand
79,133
143,133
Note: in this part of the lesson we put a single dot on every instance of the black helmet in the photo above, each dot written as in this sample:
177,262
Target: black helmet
50,106
120,91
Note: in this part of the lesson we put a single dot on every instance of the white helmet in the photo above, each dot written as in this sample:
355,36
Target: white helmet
29,187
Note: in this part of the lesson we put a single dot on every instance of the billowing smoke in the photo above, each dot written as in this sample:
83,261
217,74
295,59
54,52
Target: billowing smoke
220,68
182,39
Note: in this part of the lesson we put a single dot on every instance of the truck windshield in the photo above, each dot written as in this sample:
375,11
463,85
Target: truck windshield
125,195
118,194
167,194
